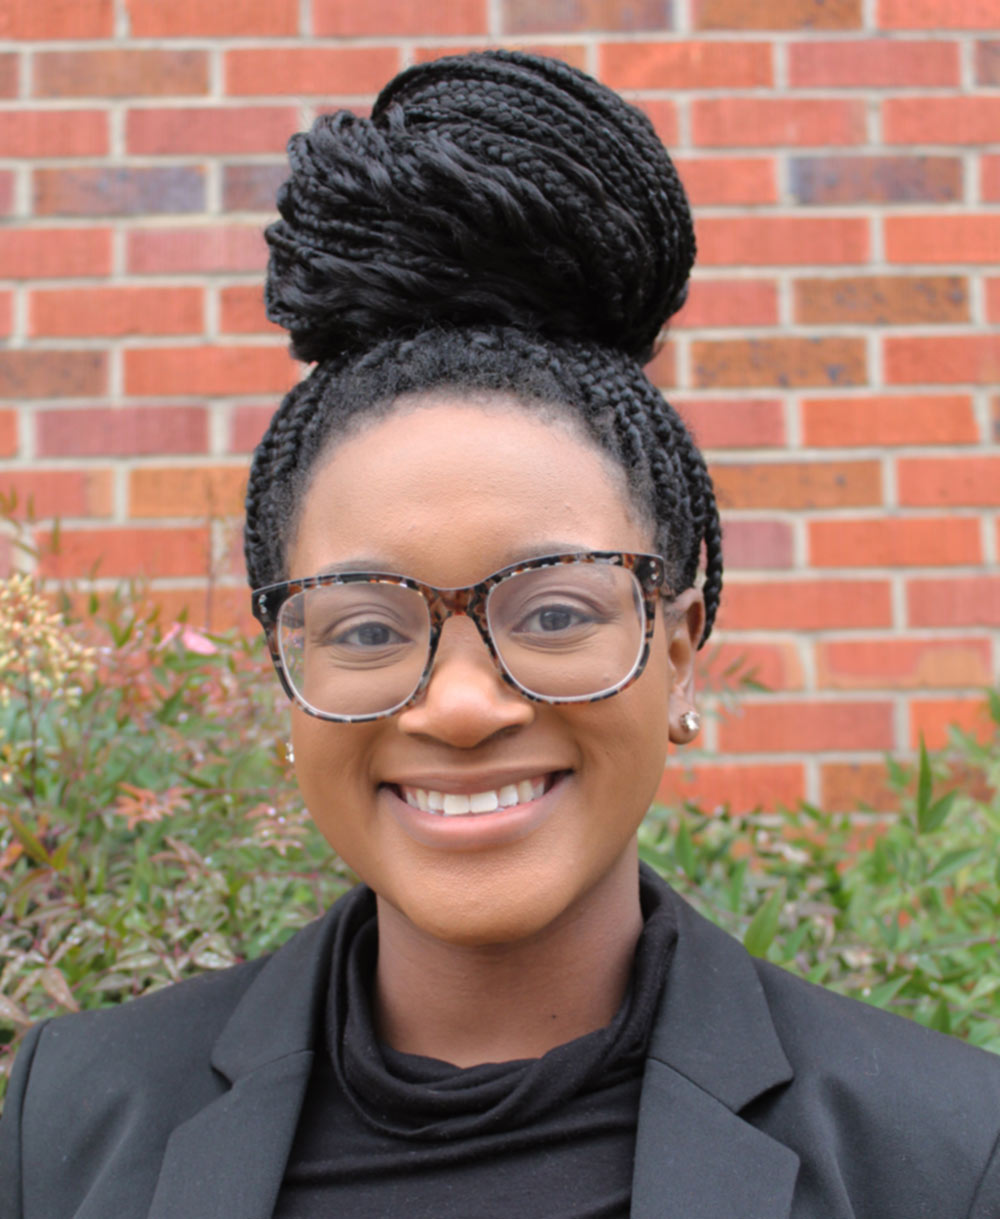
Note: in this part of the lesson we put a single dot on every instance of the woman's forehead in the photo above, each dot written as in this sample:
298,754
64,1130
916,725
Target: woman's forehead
450,478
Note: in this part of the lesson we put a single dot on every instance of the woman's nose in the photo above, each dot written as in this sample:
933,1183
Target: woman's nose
466,701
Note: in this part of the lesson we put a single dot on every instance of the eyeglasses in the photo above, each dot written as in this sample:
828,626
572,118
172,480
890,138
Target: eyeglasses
567,628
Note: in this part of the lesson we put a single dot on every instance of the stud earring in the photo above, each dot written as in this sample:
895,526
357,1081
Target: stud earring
691,722
289,751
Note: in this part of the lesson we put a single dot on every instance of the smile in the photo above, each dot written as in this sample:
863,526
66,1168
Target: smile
450,804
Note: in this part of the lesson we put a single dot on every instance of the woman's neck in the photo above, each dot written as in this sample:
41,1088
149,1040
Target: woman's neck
494,1003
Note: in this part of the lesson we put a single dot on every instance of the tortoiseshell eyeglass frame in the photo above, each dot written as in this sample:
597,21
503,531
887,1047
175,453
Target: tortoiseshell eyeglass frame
649,571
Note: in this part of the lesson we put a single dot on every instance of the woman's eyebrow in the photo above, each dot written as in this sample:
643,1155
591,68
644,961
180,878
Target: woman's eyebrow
536,550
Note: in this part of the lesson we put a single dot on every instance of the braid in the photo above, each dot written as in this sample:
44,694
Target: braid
501,223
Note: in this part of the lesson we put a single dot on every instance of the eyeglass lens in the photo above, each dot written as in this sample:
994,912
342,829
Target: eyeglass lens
569,631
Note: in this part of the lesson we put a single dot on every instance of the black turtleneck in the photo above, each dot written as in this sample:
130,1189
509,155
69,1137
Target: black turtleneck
384,1133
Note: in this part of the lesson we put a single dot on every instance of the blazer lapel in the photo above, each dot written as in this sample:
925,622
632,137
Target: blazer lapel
714,1050
230,1157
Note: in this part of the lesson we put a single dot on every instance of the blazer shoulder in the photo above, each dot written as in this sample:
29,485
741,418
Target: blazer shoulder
819,1027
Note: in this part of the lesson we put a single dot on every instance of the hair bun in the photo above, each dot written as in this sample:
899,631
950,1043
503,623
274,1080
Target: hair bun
494,188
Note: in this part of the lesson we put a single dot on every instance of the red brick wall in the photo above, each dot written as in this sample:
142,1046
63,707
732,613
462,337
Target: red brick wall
838,359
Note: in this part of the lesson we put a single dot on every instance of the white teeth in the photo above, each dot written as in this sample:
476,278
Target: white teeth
484,802
451,805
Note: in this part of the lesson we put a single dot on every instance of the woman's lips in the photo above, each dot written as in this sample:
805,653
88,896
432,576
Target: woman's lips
457,826
457,804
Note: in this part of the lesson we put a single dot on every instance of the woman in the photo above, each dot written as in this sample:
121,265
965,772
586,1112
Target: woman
473,533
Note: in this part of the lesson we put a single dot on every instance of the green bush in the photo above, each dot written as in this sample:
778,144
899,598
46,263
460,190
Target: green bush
150,828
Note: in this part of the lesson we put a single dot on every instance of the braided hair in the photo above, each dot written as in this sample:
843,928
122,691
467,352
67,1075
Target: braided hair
502,223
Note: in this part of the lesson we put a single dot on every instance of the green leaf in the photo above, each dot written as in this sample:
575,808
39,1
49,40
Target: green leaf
883,994
940,1018
684,850
936,815
952,861
764,925
925,784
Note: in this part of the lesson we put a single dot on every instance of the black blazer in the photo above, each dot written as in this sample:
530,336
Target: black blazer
764,1098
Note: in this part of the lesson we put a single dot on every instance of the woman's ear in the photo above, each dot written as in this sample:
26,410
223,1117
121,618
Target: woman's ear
685,619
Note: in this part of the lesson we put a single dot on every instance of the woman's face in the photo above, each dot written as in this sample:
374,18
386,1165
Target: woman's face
448,493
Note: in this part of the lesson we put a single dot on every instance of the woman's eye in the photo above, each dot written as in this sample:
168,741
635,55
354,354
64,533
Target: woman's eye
369,635
553,618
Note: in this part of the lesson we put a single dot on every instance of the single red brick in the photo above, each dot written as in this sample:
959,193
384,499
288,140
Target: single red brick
568,52
54,253
742,789
737,241
6,192
398,18
202,248
732,180
120,73
993,300
907,664
730,302
885,421
940,120
119,190
938,14
789,727
253,187
895,542
187,491
957,481
6,312
951,360
798,484
863,179
988,63
746,363
932,719
954,601
873,63
52,374
758,544
662,113
28,19
583,16
75,312
209,129
686,65
846,786
10,75
125,431
59,493
806,605
777,15
223,19
124,553
740,423
776,666
882,300
248,425
745,122
176,371
304,70
8,435
989,179
212,607
973,238
661,370
53,133
242,311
